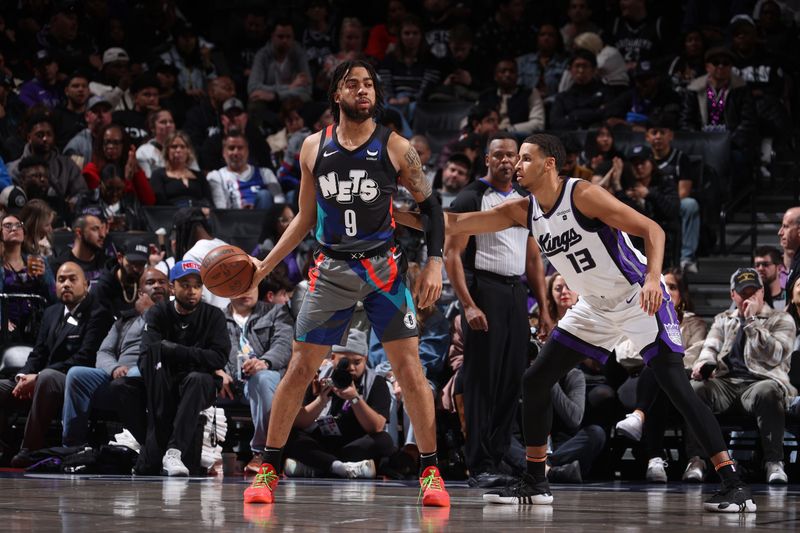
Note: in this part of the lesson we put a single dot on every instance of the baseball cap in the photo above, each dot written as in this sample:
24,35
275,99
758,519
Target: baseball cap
356,343
232,104
44,57
12,198
98,100
115,54
718,52
644,69
137,248
640,152
183,269
745,277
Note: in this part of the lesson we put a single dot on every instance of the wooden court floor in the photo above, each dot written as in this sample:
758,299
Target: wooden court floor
93,504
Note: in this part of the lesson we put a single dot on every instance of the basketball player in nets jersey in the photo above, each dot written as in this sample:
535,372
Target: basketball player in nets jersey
583,231
350,172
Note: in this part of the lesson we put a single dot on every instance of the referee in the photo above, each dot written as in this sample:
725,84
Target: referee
494,300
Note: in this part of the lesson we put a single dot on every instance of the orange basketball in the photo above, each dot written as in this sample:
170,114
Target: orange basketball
227,271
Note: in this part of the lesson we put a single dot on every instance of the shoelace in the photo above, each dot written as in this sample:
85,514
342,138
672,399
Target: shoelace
264,480
431,481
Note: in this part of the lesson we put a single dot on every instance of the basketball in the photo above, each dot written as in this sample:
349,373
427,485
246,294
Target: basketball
227,271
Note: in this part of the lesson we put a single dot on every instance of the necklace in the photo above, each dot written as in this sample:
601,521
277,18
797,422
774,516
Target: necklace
717,105
128,299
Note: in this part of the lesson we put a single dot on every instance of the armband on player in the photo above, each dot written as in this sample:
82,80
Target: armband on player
434,234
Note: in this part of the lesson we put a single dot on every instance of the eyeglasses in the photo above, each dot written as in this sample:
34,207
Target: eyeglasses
763,264
13,226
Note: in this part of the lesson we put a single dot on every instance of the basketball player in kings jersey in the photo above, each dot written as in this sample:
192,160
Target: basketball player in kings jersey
582,230
350,172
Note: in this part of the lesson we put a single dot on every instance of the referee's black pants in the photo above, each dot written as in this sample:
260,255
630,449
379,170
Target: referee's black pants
494,362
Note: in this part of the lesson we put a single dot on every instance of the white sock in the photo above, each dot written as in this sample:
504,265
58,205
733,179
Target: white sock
339,468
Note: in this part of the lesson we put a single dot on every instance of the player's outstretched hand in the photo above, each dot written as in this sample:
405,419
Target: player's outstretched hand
260,273
429,284
651,296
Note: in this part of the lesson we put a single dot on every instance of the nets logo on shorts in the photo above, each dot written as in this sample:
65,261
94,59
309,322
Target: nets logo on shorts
410,320
674,332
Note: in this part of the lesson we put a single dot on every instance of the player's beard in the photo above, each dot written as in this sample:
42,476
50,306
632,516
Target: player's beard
356,114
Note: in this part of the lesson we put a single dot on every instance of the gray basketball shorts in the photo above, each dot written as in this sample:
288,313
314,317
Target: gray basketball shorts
336,285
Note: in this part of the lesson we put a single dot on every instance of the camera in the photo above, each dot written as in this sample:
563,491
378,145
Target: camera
340,377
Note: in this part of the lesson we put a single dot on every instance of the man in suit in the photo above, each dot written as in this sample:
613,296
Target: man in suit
71,333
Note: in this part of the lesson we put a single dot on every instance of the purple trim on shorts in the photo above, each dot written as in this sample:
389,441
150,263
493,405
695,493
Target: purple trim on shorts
579,345
628,263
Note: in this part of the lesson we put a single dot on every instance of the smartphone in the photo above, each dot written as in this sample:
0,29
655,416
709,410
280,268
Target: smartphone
706,370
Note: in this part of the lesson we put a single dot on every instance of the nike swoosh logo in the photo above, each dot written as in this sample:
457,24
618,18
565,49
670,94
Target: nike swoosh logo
326,154
396,256
629,300
184,326
536,218
372,154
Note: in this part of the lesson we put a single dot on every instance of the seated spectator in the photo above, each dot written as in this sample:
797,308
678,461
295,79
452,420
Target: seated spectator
64,175
22,274
720,101
242,45
611,67
205,118
777,35
145,100
296,132
10,122
749,348
150,154
37,218
280,69
114,80
70,115
689,63
117,288
584,104
316,39
505,33
789,234
235,118
542,70
482,122
653,410
183,343
340,429
351,46
579,14
410,72
194,238
275,224
571,167
239,185
118,356
383,37
80,146
465,71
44,88
454,177
191,55
260,334
87,249
655,196
70,334
636,33
34,180
423,148
650,96
121,209
115,149
600,150
766,261
170,96
521,110
674,164
176,184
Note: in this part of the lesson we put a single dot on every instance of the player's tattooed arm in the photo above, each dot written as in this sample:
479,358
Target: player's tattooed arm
415,179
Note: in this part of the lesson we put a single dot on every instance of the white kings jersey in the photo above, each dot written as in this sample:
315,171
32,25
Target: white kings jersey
594,259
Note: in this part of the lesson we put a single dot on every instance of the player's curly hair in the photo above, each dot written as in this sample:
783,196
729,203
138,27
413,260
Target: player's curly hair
341,71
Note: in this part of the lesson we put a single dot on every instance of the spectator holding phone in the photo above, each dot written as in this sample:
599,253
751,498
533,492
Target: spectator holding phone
750,348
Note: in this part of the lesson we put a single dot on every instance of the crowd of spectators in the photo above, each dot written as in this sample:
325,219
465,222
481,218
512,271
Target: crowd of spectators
110,109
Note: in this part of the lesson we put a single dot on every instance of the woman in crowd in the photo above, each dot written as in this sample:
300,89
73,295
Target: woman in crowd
113,147
176,184
652,407
277,220
121,210
559,297
600,151
37,219
150,154
23,274
690,63
351,46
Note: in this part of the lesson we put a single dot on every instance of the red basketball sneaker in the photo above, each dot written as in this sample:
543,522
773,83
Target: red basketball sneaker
432,488
263,485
